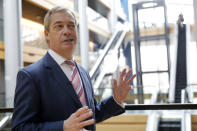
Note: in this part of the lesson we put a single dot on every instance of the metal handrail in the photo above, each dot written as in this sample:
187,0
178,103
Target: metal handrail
142,107
161,107
101,57
5,110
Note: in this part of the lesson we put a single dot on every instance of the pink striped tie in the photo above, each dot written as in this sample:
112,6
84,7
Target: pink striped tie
76,82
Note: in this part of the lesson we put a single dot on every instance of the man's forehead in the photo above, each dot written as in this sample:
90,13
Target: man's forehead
58,16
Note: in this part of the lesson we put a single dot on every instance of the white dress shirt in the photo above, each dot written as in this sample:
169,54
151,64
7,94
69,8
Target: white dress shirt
60,61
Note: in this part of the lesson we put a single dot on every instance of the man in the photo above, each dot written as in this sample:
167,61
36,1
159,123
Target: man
55,93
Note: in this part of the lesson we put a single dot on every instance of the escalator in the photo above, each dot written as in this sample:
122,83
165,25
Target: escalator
169,121
106,64
169,124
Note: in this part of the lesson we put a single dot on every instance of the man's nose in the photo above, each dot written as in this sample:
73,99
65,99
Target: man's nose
66,31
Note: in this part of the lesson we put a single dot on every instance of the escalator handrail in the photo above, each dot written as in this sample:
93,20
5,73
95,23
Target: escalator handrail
5,121
154,116
102,56
120,39
186,124
153,121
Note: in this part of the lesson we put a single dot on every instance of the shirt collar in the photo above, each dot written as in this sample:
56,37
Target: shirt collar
58,58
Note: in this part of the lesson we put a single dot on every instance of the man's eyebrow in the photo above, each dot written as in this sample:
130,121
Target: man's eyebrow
57,22
71,22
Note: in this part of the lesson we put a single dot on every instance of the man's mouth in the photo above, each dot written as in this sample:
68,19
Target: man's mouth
68,40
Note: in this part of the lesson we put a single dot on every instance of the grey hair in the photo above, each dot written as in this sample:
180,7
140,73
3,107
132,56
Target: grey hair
47,17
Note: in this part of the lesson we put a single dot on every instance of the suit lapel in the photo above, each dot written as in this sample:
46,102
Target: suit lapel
61,78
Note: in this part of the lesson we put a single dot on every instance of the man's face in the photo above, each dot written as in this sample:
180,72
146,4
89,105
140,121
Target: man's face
62,35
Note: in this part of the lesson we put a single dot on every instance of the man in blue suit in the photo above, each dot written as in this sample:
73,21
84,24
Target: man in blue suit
55,93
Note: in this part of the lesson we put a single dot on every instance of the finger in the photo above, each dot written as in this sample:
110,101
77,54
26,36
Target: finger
81,111
129,88
86,123
131,79
122,74
85,116
128,74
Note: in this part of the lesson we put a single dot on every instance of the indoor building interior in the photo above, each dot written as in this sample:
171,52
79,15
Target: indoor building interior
156,38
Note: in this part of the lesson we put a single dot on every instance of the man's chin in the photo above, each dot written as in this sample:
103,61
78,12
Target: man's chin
68,45
68,48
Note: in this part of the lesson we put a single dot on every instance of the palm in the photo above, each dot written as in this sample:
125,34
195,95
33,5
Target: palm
122,87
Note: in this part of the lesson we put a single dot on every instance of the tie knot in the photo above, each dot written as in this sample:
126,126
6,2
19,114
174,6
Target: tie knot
70,63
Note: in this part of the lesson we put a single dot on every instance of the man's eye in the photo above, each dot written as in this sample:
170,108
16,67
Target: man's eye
71,25
58,26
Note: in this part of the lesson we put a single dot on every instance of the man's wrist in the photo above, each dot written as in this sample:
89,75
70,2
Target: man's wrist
119,103
64,126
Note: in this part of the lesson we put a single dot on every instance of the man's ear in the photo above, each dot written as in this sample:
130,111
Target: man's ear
46,33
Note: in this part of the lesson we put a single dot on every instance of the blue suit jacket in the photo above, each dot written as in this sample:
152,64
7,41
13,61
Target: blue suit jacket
44,98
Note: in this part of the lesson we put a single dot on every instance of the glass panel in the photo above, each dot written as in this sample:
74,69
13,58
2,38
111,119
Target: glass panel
153,56
192,63
151,21
155,81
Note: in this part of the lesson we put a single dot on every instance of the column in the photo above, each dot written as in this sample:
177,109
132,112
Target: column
195,18
84,34
113,16
13,48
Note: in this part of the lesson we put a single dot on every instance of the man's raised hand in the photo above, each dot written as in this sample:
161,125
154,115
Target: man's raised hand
122,87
